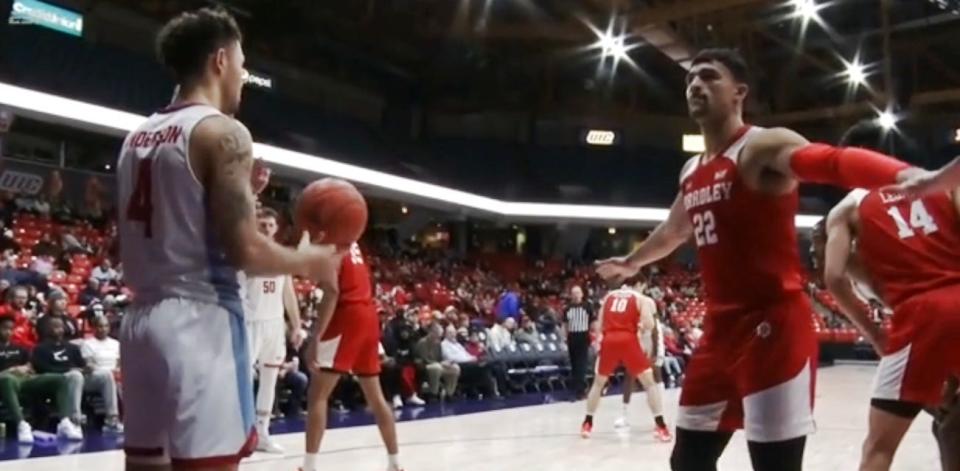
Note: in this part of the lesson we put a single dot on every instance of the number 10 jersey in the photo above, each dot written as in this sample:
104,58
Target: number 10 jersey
168,247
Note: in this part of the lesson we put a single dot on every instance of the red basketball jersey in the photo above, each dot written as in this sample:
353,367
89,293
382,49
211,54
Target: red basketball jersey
355,308
909,247
746,240
621,311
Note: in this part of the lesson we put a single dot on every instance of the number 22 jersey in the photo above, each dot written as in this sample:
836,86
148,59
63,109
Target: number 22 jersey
746,240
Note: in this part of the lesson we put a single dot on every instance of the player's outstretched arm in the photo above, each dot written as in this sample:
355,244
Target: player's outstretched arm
790,154
668,235
221,154
837,258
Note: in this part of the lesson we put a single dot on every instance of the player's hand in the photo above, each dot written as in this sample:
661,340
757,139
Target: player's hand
259,176
313,364
615,268
297,337
918,183
879,342
320,262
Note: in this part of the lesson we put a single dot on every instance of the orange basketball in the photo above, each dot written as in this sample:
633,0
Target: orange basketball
334,207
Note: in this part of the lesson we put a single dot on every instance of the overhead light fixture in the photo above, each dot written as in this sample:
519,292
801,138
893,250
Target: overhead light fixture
887,120
856,74
612,231
612,46
404,210
806,9
100,119
694,143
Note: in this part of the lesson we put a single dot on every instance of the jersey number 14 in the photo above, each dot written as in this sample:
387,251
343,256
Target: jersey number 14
919,219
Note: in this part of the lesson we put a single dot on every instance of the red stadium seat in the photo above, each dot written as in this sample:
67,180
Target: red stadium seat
57,277
73,310
75,279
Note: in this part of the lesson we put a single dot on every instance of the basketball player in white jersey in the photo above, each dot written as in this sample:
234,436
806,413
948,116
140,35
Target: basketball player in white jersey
187,227
267,297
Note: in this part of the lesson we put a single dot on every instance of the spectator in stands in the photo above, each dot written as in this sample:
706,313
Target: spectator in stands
17,380
104,273
391,378
23,317
428,355
46,248
500,335
527,333
71,244
292,378
90,294
102,357
471,369
6,239
509,304
55,355
57,309
42,266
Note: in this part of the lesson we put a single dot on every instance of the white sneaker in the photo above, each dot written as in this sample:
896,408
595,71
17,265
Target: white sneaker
69,430
415,400
397,402
24,433
267,445
621,423
115,428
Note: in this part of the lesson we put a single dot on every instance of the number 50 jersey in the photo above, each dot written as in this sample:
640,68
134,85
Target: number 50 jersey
746,240
167,244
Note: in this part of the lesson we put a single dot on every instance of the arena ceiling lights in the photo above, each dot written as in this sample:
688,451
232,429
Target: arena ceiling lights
96,118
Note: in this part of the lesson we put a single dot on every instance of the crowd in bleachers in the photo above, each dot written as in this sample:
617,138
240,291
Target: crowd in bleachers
451,327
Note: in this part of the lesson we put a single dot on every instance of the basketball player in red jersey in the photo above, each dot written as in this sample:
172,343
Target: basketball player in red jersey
348,342
624,315
755,366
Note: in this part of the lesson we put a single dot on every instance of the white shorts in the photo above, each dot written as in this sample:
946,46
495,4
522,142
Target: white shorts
187,383
268,341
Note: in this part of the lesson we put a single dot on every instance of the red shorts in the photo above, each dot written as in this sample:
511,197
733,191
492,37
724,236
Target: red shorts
351,344
621,348
755,370
923,348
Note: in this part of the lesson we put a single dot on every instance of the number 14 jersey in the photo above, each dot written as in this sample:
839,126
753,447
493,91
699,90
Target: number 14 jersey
167,243
746,240
908,247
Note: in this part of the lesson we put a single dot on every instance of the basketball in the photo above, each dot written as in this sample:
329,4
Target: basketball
334,207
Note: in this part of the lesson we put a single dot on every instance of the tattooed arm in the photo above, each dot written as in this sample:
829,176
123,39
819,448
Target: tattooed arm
221,154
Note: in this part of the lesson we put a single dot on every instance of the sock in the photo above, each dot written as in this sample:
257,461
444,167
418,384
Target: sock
659,420
310,462
265,395
588,419
393,461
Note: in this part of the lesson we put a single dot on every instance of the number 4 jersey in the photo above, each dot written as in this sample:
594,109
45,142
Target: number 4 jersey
909,247
168,247
746,240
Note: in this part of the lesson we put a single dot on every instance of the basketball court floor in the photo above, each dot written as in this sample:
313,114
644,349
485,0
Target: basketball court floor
546,437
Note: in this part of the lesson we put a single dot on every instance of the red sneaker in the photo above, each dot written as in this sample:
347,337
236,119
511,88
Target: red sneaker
586,429
662,434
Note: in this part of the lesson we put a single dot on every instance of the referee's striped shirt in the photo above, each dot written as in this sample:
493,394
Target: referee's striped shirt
578,317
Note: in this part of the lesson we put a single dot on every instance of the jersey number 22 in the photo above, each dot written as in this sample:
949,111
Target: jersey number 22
704,228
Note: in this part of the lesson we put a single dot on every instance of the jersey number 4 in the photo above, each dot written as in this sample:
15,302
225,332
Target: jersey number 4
704,228
919,219
140,206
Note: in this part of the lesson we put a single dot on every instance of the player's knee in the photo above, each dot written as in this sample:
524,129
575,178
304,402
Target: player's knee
73,377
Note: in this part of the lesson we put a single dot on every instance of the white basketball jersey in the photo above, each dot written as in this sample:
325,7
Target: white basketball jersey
167,244
264,297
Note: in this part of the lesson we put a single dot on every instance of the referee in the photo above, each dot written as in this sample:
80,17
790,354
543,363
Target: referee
576,321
